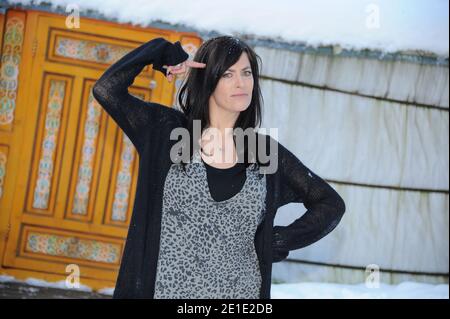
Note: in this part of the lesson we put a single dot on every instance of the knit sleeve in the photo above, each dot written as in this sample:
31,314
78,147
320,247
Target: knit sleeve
130,113
325,207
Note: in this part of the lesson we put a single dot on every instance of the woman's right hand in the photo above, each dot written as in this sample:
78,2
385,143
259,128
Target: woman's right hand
173,70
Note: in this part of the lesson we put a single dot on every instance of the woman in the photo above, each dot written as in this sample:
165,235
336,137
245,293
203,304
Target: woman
203,228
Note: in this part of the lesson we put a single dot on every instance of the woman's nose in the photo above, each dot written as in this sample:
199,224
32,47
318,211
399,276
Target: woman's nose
239,80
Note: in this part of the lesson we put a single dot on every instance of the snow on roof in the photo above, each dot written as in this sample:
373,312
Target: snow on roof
384,25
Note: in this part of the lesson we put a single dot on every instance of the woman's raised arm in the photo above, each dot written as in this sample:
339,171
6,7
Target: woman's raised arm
130,113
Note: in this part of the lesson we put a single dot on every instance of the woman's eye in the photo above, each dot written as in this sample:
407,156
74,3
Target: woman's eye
227,75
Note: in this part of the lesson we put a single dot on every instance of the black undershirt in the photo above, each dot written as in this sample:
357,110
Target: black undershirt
224,183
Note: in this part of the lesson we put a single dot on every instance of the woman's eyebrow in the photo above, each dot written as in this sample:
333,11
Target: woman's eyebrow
247,67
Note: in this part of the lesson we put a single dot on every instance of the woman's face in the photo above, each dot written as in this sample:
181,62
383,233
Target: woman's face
234,89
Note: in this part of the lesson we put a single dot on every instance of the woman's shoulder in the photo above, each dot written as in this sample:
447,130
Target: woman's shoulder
269,152
272,145
269,144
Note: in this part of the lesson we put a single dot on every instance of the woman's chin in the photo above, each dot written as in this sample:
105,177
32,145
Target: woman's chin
240,108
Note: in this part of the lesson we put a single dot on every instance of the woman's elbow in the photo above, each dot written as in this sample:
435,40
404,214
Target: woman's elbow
340,206
99,91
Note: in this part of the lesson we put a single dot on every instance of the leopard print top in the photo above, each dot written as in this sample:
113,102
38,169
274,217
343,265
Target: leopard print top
207,247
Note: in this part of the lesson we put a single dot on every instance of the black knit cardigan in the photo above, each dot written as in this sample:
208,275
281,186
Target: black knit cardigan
148,126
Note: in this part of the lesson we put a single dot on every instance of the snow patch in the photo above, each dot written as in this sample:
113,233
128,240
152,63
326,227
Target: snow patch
42,283
404,290
310,290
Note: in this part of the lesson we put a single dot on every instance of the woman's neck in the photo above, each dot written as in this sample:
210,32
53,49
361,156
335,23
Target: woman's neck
222,119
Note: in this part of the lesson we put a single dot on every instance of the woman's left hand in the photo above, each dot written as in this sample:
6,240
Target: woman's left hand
279,249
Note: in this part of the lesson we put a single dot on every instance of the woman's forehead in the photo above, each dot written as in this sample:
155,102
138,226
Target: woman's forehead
240,64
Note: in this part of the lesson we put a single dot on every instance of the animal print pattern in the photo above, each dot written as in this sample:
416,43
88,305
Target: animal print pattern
207,247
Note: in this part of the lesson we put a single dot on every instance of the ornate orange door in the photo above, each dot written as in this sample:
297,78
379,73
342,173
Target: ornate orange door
75,170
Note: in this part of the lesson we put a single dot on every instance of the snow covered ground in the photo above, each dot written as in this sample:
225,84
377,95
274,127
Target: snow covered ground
405,290
408,290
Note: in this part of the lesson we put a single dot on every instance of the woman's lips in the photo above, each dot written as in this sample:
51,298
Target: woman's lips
239,95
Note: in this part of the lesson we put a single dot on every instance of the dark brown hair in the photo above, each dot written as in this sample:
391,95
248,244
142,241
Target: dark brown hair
219,54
